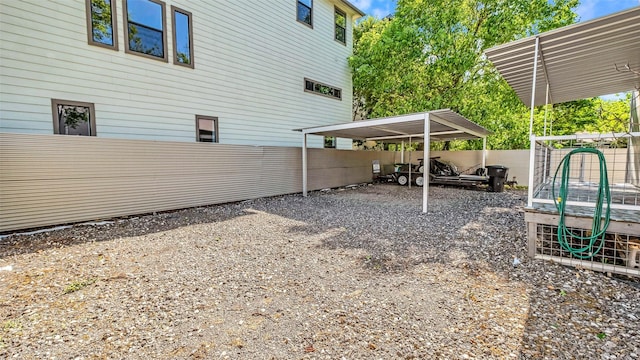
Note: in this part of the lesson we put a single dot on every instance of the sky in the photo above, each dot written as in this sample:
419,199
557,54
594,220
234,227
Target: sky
587,10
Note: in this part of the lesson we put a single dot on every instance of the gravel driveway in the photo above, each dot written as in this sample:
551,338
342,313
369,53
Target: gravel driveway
353,274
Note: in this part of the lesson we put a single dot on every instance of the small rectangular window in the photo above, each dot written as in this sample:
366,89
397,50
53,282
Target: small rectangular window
206,129
330,142
308,85
322,89
101,29
182,37
341,26
145,28
305,12
73,118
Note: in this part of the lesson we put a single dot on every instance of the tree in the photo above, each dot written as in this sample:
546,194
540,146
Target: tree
430,56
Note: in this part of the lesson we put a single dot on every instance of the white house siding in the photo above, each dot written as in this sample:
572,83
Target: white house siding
250,61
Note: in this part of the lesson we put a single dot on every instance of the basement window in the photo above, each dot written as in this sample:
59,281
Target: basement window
73,118
319,88
145,28
206,129
101,15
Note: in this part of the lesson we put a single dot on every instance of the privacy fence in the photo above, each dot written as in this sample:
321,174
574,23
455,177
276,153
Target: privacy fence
49,179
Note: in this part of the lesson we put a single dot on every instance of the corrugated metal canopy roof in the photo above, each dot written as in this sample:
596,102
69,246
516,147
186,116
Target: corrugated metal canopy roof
578,61
444,125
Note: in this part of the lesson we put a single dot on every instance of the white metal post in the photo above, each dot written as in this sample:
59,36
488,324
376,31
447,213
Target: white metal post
544,133
304,164
532,166
546,110
402,153
484,152
533,84
409,164
427,164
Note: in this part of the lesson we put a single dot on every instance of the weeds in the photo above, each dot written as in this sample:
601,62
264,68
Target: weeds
78,285
11,324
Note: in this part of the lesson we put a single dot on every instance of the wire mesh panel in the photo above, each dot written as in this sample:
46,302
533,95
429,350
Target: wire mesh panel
614,252
584,171
576,192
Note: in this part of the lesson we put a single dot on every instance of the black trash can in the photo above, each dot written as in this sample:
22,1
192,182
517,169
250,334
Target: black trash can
497,177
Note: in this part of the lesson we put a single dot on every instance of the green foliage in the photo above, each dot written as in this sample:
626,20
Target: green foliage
612,115
73,117
101,21
11,324
184,58
430,56
78,285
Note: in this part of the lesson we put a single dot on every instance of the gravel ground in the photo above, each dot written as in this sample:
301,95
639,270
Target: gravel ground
353,274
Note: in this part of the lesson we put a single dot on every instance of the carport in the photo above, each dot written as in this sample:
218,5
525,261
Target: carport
441,125
579,61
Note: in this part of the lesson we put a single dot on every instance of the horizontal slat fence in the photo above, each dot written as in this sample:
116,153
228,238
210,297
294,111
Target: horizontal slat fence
48,180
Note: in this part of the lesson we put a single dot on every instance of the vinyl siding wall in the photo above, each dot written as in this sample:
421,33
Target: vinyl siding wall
250,61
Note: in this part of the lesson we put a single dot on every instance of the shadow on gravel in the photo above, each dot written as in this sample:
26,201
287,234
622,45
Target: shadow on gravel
117,228
463,227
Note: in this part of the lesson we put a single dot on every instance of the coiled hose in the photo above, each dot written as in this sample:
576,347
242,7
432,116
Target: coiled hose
598,226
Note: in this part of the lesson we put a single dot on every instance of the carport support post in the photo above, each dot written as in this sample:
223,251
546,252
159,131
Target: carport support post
533,84
484,152
427,163
532,167
304,164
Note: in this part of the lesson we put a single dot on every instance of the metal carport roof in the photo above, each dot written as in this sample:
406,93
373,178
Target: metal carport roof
441,124
444,125
577,61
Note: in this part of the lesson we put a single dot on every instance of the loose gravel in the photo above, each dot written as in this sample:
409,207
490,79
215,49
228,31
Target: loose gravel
343,274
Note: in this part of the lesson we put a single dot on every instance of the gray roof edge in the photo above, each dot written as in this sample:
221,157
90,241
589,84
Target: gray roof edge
446,117
354,8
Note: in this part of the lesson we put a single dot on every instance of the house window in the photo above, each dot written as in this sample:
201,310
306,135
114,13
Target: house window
322,89
330,142
207,129
101,29
341,26
73,118
305,12
145,28
182,37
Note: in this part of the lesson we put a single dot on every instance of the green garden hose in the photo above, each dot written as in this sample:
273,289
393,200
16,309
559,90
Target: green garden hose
598,226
